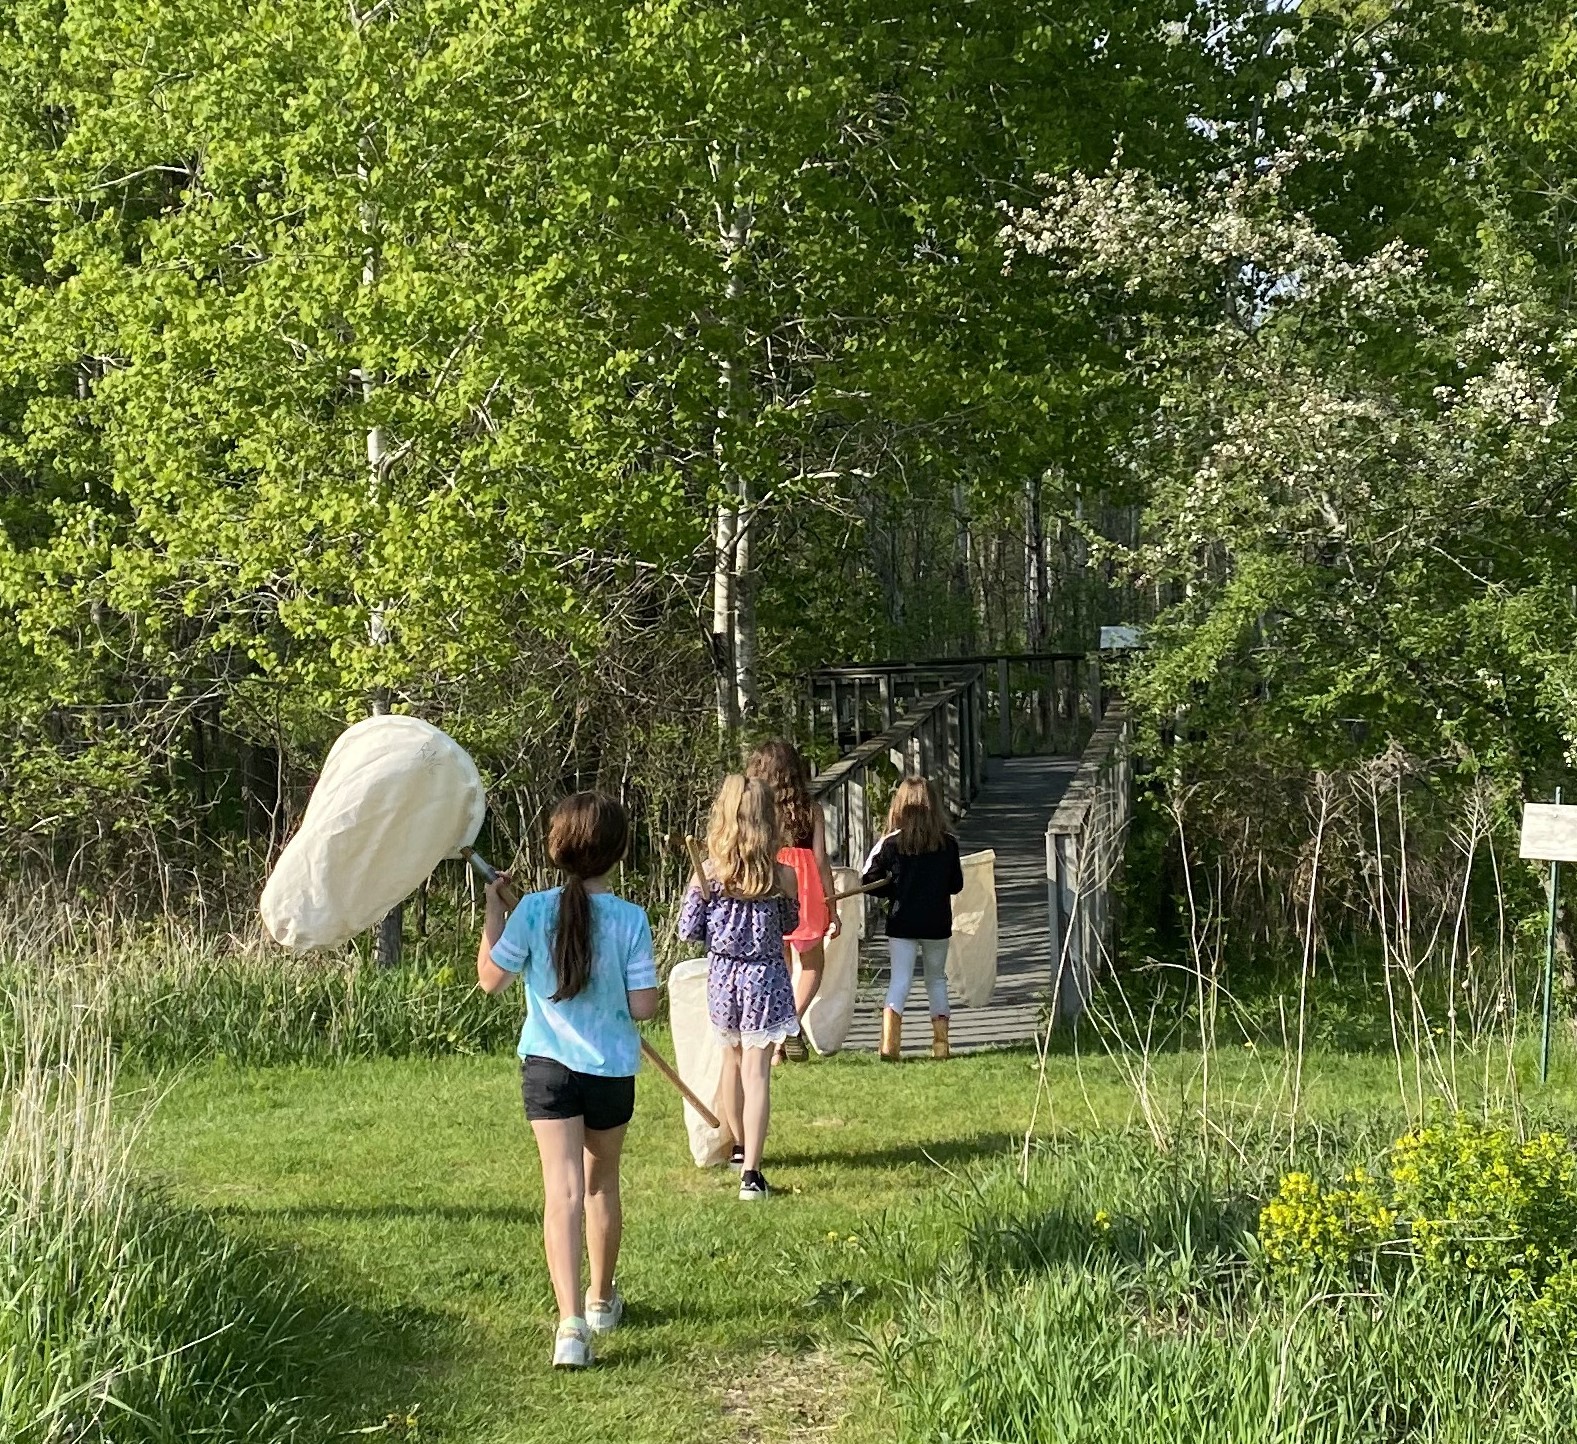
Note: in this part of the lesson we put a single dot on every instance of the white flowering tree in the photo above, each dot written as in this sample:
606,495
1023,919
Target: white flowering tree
1357,483
1356,540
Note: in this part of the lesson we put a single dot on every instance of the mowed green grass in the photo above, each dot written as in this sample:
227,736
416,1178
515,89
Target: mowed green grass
410,1190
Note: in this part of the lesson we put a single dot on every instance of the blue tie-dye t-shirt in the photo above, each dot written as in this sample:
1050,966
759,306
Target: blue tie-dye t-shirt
593,1031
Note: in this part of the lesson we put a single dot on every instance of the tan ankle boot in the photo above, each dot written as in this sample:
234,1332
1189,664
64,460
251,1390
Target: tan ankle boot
939,1047
892,1035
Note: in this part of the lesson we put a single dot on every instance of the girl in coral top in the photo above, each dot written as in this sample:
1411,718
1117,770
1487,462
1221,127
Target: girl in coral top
804,849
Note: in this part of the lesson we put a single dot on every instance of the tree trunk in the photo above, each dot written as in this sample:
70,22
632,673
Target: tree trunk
744,613
388,936
733,633
1037,630
1082,625
963,570
723,616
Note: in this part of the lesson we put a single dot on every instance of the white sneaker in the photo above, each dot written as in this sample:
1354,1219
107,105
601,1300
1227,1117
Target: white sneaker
753,1187
572,1345
603,1315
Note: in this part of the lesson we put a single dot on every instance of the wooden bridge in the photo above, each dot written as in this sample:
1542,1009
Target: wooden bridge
1050,794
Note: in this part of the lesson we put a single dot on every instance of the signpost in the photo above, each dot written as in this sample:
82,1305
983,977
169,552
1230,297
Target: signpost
1549,834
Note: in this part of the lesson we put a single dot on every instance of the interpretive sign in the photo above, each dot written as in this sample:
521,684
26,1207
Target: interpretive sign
1549,832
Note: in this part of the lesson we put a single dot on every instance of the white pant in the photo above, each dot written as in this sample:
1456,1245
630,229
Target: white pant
904,952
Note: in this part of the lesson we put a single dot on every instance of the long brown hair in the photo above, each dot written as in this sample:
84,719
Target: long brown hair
742,838
779,765
586,837
916,815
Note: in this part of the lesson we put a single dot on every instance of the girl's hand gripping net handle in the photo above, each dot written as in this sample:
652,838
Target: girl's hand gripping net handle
491,874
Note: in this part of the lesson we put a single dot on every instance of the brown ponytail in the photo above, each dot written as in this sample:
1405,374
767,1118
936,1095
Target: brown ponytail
586,837
780,766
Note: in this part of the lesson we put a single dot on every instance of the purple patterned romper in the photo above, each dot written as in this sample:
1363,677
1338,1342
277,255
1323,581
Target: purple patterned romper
748,993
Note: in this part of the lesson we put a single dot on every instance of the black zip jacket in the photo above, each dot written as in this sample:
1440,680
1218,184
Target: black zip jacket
920,887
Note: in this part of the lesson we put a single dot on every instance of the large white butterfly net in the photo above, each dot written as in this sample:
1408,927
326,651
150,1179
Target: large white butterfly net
396,796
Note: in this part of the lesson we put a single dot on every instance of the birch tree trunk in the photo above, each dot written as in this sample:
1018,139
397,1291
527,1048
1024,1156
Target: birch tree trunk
723,614
389,935
733,605
744,610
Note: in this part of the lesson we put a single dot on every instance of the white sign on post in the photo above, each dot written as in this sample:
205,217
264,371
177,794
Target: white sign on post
1549,832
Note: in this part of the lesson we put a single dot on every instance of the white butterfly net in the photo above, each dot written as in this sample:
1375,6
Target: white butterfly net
396,797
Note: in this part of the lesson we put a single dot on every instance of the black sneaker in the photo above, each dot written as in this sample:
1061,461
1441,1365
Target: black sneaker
736,1158
752,1186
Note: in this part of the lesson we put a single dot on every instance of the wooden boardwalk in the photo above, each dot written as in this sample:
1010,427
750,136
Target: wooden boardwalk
1010,816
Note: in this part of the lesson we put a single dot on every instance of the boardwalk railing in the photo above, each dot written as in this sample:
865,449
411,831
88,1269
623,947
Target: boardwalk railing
1026,702
938,734
1084,852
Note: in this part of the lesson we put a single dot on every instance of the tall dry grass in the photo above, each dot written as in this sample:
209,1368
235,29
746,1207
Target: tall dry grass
172,993
1392,915
124,1319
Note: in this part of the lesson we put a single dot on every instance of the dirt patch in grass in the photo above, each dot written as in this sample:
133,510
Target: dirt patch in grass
789,1398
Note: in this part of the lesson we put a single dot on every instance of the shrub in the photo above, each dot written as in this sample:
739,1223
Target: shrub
1308,1224
1102,1291
1458,1199
1478,1199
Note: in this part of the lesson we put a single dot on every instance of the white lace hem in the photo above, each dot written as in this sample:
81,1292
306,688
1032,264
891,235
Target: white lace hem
759,1037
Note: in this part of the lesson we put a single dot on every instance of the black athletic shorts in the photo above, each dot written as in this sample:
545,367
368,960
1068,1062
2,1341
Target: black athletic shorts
553,1091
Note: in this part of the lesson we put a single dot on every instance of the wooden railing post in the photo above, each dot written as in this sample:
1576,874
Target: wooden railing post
1004,710
966,723
972,738
953,755
859,822
1084,845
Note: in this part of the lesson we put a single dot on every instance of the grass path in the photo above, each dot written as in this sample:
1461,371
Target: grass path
410,1190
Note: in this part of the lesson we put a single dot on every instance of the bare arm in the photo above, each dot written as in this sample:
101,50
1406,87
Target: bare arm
818,846
643,1003
491,978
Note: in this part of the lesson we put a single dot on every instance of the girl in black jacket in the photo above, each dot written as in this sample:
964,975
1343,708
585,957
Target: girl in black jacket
919,859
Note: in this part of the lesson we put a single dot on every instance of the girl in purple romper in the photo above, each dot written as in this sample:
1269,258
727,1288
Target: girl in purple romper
748,905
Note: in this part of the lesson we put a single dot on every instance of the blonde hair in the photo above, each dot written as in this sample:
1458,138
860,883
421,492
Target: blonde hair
916,815
742,838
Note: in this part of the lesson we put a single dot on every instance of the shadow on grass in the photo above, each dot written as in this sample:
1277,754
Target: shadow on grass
1210,1232
370,1366
387,1212
290,1353
944,1153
